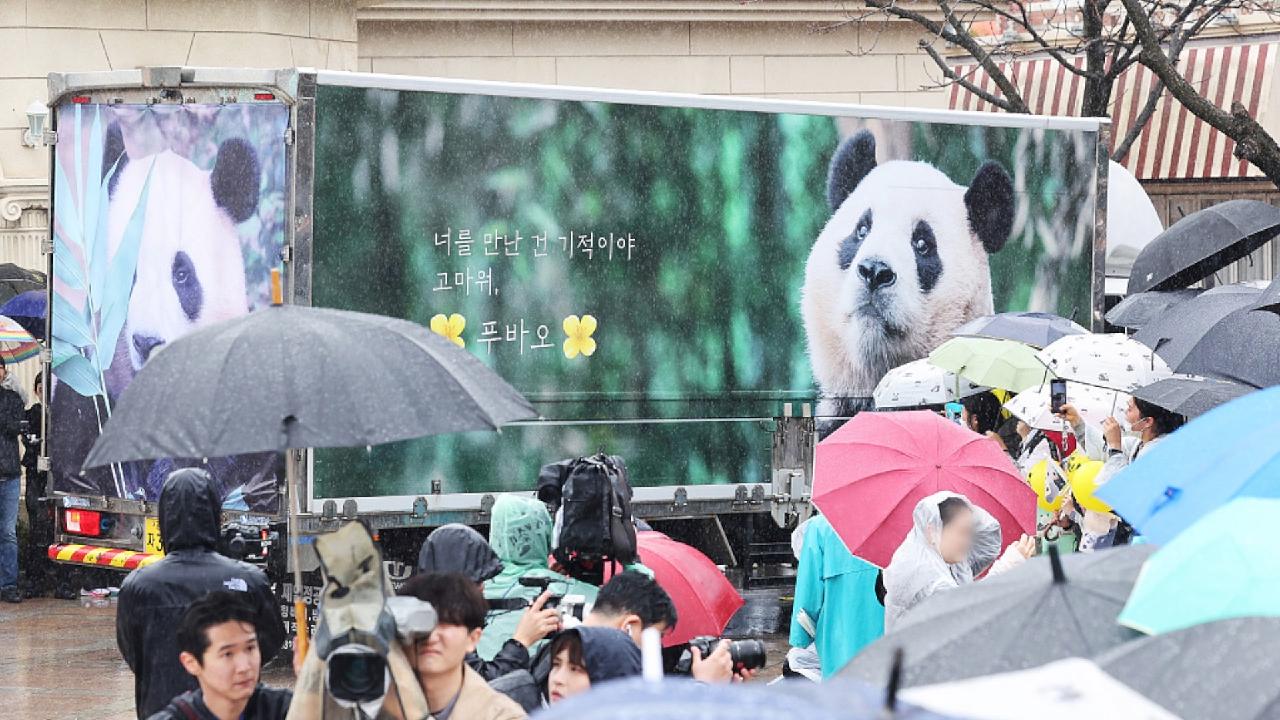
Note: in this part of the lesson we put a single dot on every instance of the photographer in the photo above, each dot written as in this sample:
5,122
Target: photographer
218,646
12,424
154,598
453,690
456,548
1117,451
632,602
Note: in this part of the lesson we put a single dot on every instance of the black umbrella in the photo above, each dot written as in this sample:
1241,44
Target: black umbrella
1138,309
1047,610
1240,348
1031,328
1173,334
1202,243
15,280
299,377
1191,396
1224,670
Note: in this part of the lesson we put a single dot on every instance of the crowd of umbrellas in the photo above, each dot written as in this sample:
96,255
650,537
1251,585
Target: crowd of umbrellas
1184,625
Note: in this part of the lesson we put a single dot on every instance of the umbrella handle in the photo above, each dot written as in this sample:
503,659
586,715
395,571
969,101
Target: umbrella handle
302,639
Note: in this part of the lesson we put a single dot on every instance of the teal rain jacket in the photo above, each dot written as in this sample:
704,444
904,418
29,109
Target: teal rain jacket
835,606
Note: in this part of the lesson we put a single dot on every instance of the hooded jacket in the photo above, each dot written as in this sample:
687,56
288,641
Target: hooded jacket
918,570
456,548
154,598
520,536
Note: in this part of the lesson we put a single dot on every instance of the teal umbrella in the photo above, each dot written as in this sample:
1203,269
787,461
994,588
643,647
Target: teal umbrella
1224,566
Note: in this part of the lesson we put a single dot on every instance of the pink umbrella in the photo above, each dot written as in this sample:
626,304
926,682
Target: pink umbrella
705,600
869,475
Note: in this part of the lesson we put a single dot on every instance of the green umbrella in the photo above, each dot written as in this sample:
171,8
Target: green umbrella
1004,364
1224,566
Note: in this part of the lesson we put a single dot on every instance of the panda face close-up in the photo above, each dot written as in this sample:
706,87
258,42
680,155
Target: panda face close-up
901,262
190,270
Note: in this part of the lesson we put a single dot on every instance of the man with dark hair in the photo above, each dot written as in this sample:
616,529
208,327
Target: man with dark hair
154,598
457,548
13,415
218,646
453,690
633,602
1109,444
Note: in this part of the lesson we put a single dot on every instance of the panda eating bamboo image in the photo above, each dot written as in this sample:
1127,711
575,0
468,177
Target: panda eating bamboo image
902,261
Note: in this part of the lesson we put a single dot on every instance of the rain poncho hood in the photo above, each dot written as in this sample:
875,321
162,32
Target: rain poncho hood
608,653
190,511
918,570
520,536
457,548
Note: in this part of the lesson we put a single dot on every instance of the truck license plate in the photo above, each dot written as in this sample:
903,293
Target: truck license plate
151,539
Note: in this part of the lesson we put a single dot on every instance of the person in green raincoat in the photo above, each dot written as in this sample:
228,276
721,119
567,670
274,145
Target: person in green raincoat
520,536
835,607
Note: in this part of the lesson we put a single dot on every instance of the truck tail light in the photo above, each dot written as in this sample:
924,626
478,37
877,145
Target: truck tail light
81,99
264,96
82,522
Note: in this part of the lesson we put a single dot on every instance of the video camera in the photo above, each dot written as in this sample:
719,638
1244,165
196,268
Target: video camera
573,608
746,654
356,673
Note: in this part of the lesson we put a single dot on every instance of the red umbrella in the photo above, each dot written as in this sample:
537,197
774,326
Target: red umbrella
869,475
705,600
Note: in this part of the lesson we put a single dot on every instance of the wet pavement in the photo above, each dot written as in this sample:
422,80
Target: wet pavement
58,661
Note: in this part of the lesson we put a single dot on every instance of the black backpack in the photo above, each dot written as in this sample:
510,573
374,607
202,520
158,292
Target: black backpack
594,497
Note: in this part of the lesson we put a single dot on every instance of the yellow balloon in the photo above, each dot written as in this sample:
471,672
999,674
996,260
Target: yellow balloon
1082,474
1037,476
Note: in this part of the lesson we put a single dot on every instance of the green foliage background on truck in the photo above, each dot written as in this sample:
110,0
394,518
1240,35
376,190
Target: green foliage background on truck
473,214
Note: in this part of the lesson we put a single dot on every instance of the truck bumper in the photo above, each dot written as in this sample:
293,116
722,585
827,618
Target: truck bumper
98,556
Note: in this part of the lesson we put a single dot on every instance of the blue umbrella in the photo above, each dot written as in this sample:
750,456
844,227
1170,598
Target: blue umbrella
1230,451
28,309
679,699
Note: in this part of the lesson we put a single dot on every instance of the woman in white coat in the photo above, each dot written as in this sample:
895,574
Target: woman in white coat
951,542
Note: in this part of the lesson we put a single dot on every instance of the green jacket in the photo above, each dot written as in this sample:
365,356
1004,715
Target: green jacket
520,535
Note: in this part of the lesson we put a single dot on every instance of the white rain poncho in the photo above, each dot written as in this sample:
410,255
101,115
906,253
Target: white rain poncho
917,569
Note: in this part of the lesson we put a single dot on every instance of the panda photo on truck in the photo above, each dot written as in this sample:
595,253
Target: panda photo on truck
900,264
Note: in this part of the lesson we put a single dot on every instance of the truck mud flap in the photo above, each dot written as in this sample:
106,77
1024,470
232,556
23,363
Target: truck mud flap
99,556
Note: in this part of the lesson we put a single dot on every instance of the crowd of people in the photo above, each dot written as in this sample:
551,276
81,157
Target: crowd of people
229,622
844,603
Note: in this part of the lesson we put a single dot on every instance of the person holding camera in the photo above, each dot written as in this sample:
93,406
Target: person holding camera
13,423
218,646
457,548
1117,451
153,599
453,690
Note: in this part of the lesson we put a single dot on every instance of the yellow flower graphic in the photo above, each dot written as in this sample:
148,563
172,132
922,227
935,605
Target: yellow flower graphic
578,336
450,327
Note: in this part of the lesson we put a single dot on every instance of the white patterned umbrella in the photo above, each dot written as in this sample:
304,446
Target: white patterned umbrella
1094,404
921,383
1113,360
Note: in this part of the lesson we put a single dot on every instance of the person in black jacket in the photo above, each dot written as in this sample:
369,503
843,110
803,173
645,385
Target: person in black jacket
456,548
154,598
13,416
218,646
39,569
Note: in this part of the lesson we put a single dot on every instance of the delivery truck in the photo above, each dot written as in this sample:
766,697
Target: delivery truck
697,284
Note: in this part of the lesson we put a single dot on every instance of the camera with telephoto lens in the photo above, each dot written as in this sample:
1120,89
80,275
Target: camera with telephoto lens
746,654
356,673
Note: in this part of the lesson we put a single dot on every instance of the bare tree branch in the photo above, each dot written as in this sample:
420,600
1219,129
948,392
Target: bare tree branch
1144,117
1253,142
951,75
